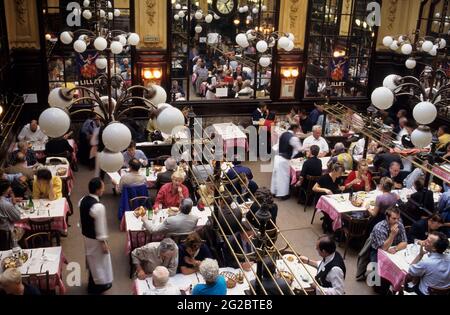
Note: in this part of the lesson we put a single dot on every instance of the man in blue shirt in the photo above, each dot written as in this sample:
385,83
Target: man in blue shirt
433,269
133,153
315,113
238,169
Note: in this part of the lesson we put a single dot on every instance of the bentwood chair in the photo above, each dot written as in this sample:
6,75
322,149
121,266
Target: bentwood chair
137,239
178,237
144,201
5,240
40,281
308,192
44,226
39,240
354,228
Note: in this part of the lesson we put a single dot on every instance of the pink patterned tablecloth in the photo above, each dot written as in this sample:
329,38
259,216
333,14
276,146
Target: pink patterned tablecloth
59,220
239,142
443,171
390,271
324,205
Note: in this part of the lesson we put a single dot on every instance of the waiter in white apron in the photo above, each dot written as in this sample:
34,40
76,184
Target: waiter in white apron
95,232
289,146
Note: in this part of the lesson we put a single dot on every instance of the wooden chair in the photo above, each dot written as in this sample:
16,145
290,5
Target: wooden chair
137,239
178,237
353,228
40,281
5,240
39,240
139,201
437,291
311,180
44,226
56,160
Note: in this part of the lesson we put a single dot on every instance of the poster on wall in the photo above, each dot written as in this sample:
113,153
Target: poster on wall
339,69
86,65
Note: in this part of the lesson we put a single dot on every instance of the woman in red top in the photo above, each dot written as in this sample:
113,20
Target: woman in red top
360,179
171,194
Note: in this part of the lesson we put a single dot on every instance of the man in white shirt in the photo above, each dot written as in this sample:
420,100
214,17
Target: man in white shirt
330,270
402,122
289,146
32,132
317,139
160,285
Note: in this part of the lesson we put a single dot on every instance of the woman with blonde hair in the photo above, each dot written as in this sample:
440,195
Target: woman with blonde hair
361,179
171,194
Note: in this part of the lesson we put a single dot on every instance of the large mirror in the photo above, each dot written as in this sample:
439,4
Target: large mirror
339,50
207,64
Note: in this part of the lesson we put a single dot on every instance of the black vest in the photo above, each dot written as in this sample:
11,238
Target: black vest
285,149
336,262
87,222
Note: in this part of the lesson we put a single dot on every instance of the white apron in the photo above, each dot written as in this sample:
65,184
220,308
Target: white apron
280,177
98,263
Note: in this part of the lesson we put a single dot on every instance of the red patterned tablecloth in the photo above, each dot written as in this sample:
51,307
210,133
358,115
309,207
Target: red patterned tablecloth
390,271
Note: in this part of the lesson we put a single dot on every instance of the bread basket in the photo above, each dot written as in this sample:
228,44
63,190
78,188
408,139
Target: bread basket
230,278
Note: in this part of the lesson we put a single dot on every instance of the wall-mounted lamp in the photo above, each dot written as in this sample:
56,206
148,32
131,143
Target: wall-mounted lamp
339,53
152,73
289,72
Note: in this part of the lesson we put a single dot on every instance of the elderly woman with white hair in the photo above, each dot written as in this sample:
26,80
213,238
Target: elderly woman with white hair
152,255
215,284
171,194
160,283
11,283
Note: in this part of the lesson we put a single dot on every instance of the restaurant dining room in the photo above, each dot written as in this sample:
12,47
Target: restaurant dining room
246,148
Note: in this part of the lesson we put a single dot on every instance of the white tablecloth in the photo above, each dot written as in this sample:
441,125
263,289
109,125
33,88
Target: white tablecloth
45,209
54,168
135,224
183,282
116,176
40,260
297,164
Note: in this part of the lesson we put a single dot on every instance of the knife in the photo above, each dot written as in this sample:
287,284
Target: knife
148,285
43,252
42,265
31,253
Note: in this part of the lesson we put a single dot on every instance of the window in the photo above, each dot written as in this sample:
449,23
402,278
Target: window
339,49
206,62
66,67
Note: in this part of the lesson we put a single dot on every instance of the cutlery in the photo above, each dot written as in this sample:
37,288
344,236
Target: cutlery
148,285
31,253
40,270
43,252
48,211
197,277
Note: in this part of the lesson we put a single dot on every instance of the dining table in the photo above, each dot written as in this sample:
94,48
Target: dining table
39,262
44,210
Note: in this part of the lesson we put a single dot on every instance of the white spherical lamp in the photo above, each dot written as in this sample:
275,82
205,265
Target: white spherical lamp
117,12
442,43
54,122
101,63
86,3
122,39
79,46
245,8
87,14
283,42
110,16
250,35
100,43
133,39
264,61
394,45
290,47
382,98
410,63
59,99
178,6
66,37
264,8
176,17
421,137
116,137
262,46
427,46
291,36
160,96
198,15
433,51
216,17
406,49
389,81
181,14
209,18
110,162
241,40
198,29
116,47
169,118
255,10
425,113
387,41
102,13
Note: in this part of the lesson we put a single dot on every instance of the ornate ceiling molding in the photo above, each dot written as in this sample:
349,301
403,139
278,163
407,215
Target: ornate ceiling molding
21,11
293,13
392,13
